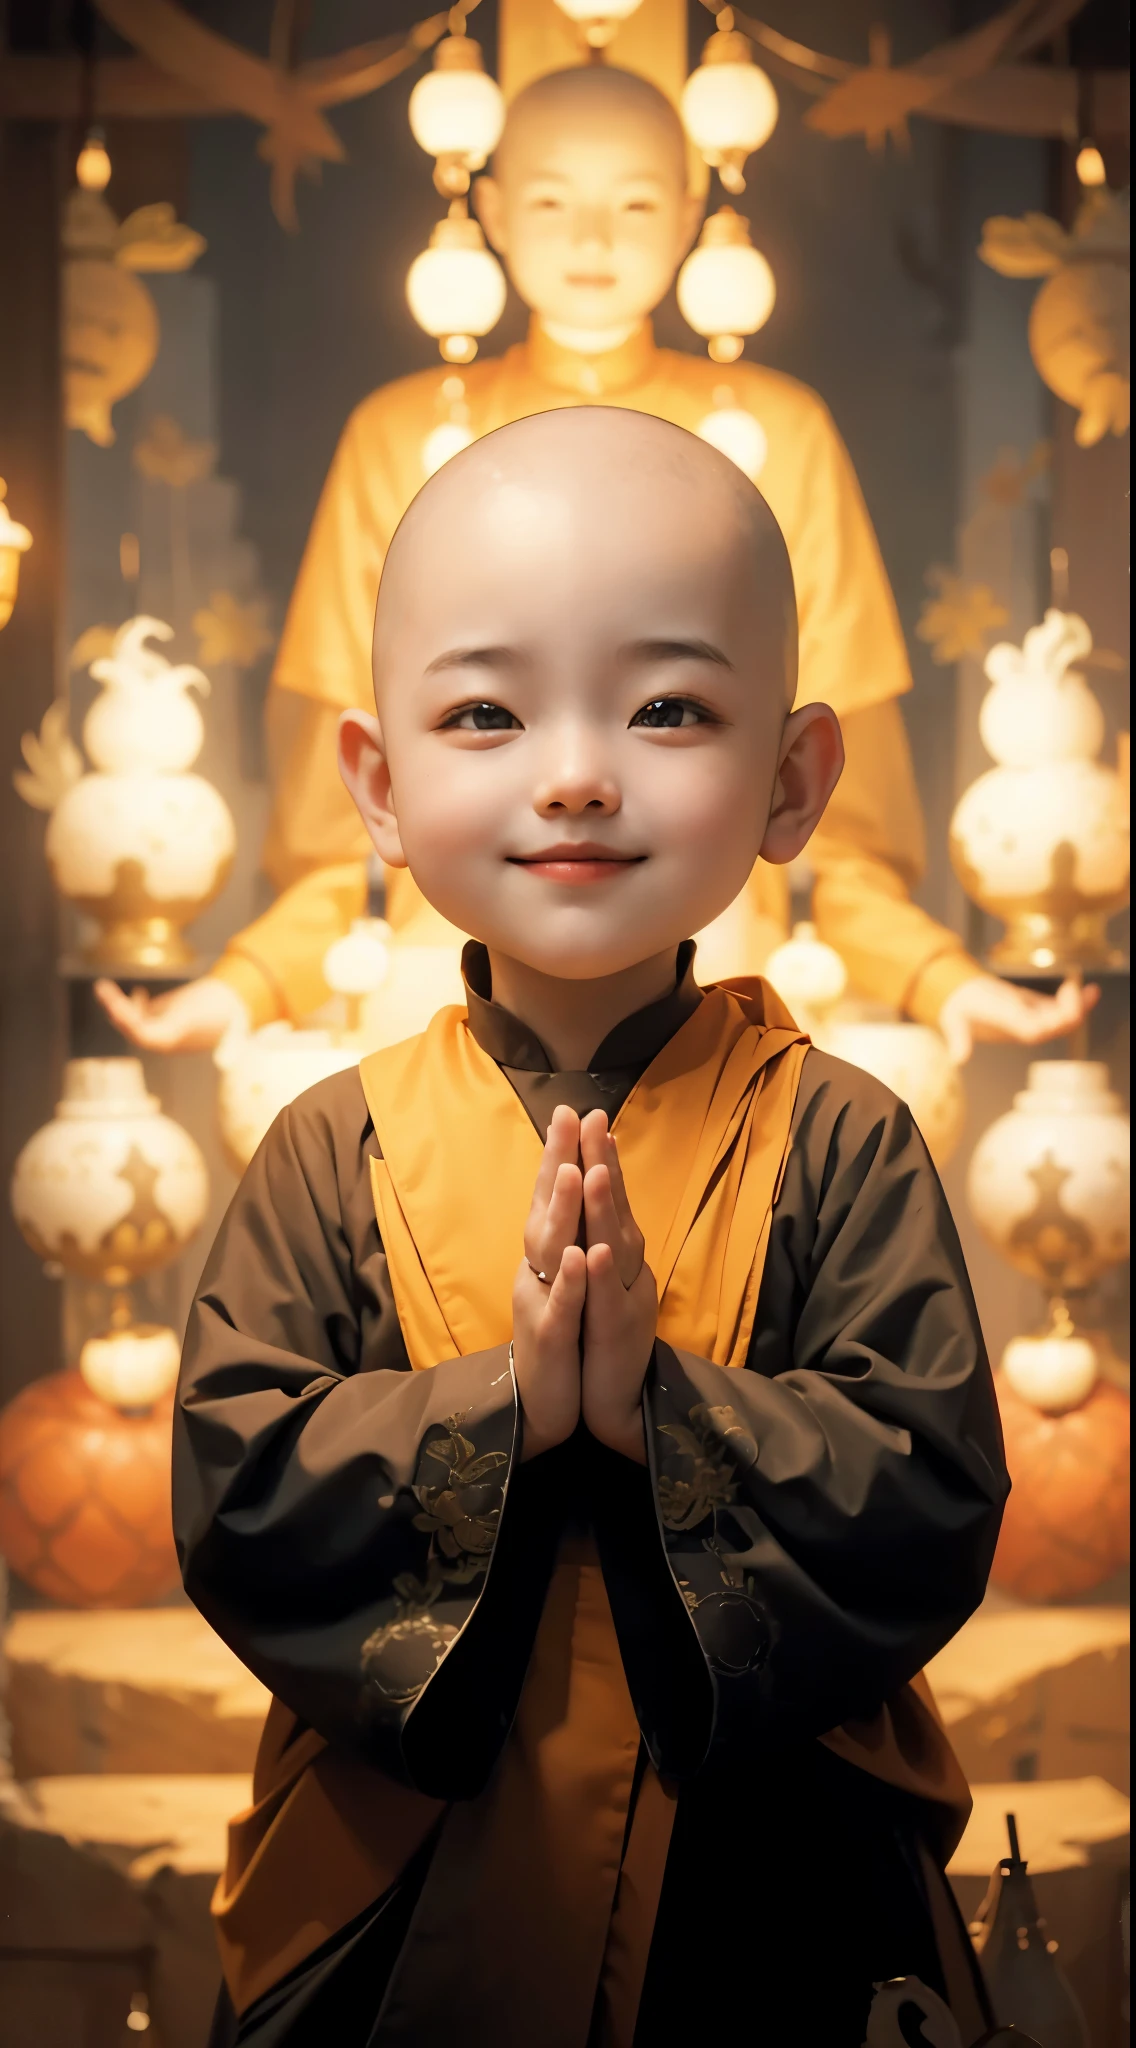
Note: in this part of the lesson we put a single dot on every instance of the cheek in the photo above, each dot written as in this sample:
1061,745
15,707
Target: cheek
449,803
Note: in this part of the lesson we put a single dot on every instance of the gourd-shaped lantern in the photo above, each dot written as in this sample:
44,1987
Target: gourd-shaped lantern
598,20
457,113
729,107
456,288
15,540
725,287
141,845
1042,839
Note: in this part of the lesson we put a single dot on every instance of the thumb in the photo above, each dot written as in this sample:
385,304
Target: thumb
957,1036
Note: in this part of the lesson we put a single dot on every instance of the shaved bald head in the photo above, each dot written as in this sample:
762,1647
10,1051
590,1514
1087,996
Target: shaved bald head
583,471
585,656
584,96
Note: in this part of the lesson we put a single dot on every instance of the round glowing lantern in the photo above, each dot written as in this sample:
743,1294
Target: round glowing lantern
736,433
456,288
85,1495
457,113
729,107
92,165
725,287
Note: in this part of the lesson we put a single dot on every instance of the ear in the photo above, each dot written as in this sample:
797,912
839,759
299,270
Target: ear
693,209
808,770
363,766
489,207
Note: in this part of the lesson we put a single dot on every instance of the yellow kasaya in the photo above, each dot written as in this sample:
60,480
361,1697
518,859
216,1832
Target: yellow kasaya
589,209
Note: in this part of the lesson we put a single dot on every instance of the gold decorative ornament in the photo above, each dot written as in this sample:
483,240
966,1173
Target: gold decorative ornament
110,324
725,287
1079,322
457,113
1042,839
456,288
140,845
15,540
232,633
960,619
729,107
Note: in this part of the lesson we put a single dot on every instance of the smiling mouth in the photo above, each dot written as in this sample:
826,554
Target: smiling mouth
576,865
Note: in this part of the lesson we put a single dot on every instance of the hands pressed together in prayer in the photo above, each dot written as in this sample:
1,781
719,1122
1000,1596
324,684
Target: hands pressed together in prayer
583,1333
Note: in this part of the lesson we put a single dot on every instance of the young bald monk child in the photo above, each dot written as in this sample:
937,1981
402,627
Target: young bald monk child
585,1429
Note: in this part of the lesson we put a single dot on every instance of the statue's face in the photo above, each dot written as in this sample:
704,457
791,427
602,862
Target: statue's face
590,213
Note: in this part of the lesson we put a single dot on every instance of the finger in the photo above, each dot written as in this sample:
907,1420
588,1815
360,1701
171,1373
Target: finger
562,1219
619,1194
595,1139
605,1306
605,1226
561,1148
957,1038
566,1296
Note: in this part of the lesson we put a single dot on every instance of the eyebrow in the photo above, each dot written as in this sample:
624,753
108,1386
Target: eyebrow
474,657
677,650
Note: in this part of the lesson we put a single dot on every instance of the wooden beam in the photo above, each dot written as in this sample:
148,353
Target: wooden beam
33,178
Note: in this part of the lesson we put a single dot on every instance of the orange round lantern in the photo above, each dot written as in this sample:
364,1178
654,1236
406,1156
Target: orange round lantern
85,1495
1066,1523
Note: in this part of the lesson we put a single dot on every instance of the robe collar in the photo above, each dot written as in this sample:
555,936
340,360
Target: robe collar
596,377
614,1067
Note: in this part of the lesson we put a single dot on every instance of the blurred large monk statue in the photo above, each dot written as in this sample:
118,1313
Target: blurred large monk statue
588,207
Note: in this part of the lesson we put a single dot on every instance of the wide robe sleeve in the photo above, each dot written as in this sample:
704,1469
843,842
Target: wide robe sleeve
338,1516
829,1513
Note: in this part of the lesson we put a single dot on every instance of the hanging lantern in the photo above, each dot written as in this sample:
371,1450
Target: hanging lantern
15,540
725,287
456,288
92,165
736,433
1090,165
729,107
598,20
457,113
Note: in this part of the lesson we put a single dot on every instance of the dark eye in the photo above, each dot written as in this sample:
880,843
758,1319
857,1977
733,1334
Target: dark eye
663,713
483,718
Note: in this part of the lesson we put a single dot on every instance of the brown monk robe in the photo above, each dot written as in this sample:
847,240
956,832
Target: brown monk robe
544,1761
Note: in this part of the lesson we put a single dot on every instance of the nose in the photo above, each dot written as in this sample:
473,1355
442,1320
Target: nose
576,777
592,225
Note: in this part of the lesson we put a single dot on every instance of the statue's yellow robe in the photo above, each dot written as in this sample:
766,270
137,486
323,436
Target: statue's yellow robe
869,851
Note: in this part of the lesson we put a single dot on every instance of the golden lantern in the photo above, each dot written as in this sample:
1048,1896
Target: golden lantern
729,107
15,540
456,288
725,287
1090,165
92,165
598,20
736,433
457,113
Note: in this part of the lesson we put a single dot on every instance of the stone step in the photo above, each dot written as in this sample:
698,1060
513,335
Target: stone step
137,1691
106,1881
1074,1835
1038,1693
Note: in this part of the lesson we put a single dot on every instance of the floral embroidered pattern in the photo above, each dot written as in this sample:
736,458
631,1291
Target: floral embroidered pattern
460,1513
698,1484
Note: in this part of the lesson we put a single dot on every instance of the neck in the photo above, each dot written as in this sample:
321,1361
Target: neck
590,341
572,1018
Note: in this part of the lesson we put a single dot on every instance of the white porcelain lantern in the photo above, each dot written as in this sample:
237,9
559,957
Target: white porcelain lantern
131,1367
1042,839
725,287
457,113
729,107
456,288
598,20
736,433
141,845
1048,1182
111,1188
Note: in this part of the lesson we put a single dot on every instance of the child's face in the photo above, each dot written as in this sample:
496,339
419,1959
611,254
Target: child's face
590,212
581,702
